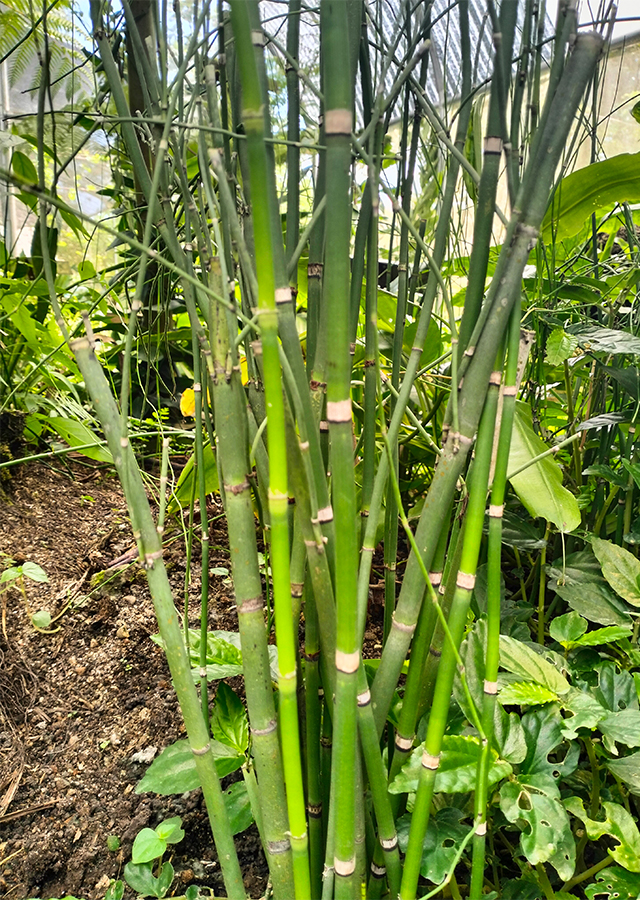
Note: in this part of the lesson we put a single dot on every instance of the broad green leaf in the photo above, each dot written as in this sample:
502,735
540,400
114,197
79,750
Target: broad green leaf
614,883
606,472
526,693
560,346
148,845
441,842
432,344
34,572
76,434
596,339
522,660
86,269
539,486
594,188
23,167
165,878
236,799
633,469
534,801
584,711
616,689
11,574
229,720
620,568
567,629
142,880
619,824
628,377
458,767
182,493
543,734
41,619
596,602
627,769
622,727
174,770
170,830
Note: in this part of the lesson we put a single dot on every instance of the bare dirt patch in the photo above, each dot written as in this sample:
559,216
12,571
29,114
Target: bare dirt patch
75,706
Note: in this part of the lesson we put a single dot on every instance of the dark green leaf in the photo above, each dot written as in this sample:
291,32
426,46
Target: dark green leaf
236,799
441,842
596,602
568,629
229,720
616,689
622,727
141,879
543,734
608,474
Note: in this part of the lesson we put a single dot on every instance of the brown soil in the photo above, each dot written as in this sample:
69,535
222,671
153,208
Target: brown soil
76,705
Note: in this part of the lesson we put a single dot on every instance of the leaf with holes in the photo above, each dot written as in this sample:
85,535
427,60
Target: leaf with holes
543,734
616,690
458,766
614,883
584,712
619,824
533,802
441,842
524,661
621,727
620,568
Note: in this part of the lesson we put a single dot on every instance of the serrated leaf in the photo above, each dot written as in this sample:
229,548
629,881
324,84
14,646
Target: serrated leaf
534,800
560,346
620,568
174,770
539,486
457,770
627,769
619,824
614,883
608,635
521,660
147,846
34,572
236,799
526,693
229,723
441,842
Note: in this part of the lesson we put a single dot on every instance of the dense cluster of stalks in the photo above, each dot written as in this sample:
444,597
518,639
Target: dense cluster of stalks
324,753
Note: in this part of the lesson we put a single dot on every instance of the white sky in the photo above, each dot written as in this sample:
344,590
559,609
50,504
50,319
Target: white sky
627,9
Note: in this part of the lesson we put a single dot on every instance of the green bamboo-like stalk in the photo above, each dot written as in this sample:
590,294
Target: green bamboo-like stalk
231,436
457,618
254,122
293,133
505,288
338,124
494,574
149,541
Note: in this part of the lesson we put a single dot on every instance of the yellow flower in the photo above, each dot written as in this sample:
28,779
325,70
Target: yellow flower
188,402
